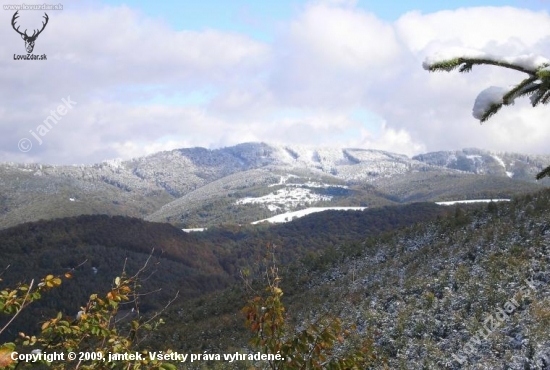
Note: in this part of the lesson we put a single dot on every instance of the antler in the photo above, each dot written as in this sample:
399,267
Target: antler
15,16
43,26
34,34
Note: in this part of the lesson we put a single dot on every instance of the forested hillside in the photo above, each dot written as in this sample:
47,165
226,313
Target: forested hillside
422,293
191,263
419,280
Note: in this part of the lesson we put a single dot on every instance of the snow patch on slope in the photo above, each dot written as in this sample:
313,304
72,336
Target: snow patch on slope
196,229
289,197
289,216
499,160
310,184
452,202
283,180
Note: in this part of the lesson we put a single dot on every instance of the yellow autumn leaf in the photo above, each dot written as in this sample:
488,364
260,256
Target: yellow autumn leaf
125,289
5,357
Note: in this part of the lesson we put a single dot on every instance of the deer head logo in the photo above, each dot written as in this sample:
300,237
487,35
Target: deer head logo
29,40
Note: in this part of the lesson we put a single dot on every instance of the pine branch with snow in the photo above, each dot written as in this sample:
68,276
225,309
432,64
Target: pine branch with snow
492,99
542,174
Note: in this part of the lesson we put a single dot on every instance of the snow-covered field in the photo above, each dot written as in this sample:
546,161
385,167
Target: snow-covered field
283,180
310,184
450,203
197,229
289,216
286,198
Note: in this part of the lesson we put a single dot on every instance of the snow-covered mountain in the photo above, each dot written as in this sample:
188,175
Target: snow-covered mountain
251,181
517,166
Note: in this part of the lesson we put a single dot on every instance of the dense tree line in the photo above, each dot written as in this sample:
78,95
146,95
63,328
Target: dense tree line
193,264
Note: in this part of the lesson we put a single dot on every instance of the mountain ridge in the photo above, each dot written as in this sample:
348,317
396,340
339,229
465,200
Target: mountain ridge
178,185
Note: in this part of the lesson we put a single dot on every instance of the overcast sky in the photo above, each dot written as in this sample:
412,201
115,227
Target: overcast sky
141,77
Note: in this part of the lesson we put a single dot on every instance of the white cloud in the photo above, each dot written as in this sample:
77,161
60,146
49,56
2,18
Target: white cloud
477,27
331,55
389,139
332,59
113,61
343,38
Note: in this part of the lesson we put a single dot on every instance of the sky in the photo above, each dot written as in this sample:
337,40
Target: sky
125,79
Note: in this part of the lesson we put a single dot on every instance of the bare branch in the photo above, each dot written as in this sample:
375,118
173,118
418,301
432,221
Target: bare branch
20,308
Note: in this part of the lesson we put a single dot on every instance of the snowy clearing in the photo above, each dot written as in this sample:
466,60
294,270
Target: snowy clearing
310,184
499,160
289,216
288,197
450,203
283,180
197,229
473,156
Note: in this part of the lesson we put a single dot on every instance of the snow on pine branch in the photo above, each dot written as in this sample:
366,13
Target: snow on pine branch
452,58
490,100
450,54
